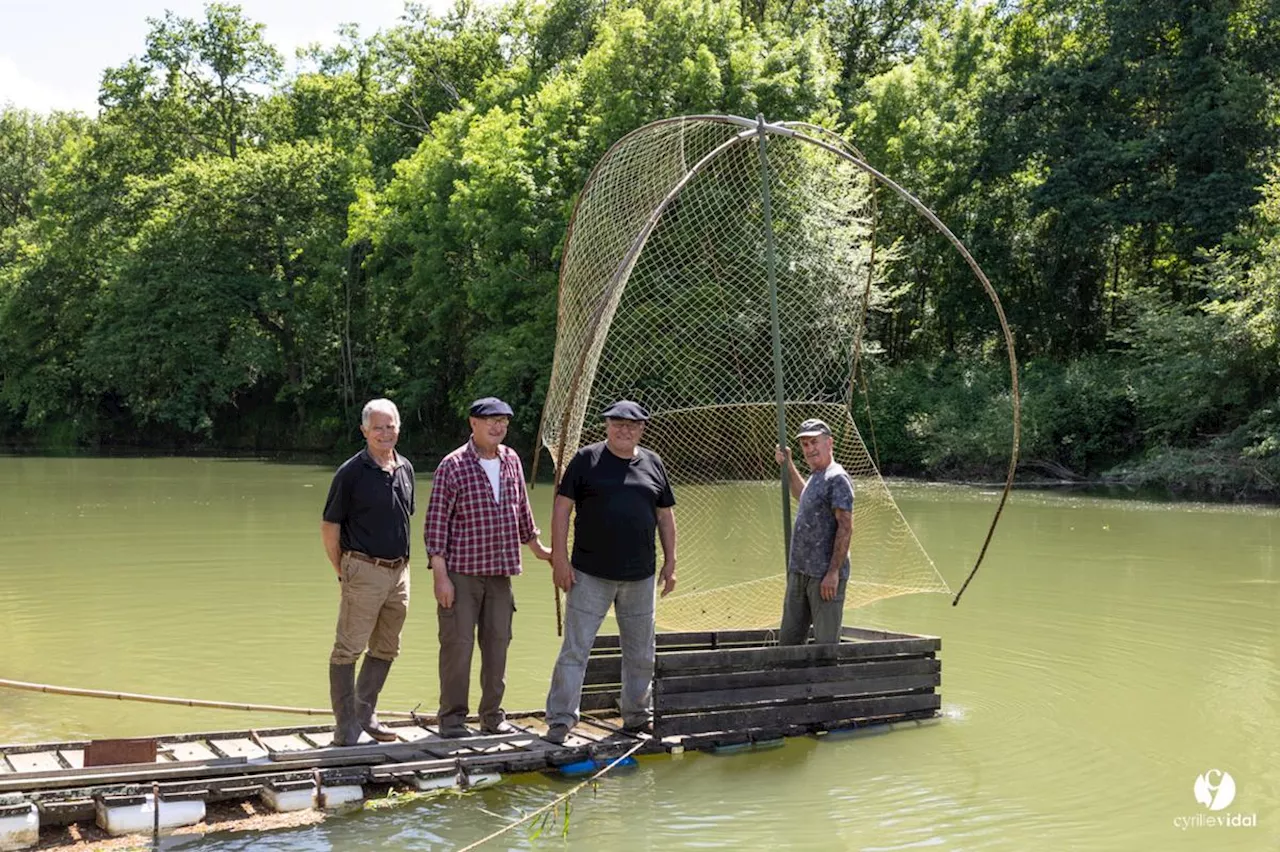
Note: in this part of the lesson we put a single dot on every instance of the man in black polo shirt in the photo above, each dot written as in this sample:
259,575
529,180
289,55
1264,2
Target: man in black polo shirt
621,495
366,536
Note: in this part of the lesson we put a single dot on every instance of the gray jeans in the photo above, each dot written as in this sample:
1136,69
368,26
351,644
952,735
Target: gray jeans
586,605
803,606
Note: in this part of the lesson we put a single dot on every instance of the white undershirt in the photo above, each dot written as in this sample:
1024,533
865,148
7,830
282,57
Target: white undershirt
493,467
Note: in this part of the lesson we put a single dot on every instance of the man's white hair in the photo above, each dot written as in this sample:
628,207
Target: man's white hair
385,406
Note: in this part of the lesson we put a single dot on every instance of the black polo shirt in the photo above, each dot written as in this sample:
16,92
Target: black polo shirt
372,505
616,504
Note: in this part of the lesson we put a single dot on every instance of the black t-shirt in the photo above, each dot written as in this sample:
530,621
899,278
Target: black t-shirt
616,504
372,505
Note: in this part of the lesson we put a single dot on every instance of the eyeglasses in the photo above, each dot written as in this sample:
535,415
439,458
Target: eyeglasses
630,425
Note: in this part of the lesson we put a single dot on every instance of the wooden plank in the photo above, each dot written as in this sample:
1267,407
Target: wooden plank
431,744
245,748
413,734
319,739
782,677
287,742
120,751
866,633
712,639
191,751
687,662
572,743
29,782
797,714
704,638
41,761
73,756
603,670
753,695
324,738
605,700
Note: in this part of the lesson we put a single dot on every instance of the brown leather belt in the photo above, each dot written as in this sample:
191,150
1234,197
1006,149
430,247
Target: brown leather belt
374,560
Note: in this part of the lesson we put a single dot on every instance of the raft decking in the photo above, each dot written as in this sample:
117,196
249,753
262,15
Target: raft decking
711,689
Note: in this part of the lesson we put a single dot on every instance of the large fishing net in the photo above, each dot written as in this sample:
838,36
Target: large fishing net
665,299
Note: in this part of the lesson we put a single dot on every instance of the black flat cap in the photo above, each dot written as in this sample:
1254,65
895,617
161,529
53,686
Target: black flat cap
811,427
490,406
625,409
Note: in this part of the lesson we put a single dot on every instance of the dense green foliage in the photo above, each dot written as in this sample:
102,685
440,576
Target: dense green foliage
233,256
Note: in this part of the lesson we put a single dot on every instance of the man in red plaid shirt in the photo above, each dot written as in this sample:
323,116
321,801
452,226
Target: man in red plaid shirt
476,521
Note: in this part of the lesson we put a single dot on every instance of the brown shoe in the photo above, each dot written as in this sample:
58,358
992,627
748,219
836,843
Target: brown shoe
380,733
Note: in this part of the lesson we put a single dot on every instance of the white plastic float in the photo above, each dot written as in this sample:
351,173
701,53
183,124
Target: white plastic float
19,827
140,817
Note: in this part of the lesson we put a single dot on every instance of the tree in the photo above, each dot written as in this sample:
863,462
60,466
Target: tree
28,142
195,88
228,289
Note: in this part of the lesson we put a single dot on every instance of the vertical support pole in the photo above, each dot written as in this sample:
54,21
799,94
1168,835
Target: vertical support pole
771,262
155,813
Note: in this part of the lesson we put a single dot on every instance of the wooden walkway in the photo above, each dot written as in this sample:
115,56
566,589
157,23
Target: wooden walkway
239,764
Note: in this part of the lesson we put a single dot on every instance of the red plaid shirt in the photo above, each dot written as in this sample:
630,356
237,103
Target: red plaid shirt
475,534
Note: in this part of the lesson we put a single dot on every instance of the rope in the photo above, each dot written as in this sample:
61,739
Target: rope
555,802
50,689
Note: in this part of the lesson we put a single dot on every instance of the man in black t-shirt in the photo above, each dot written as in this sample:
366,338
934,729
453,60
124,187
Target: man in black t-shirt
620,495
365,531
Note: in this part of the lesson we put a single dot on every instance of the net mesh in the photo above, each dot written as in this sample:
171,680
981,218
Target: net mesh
664,299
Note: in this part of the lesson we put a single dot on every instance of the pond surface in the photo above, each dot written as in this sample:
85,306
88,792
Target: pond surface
1108,653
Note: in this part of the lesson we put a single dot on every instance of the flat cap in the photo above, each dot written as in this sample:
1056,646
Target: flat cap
813,426
625,409
490,406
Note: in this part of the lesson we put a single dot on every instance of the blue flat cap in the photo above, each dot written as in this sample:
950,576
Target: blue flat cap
625,409
490,406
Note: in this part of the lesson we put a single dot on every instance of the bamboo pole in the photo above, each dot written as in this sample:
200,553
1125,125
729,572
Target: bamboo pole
51,689
780,398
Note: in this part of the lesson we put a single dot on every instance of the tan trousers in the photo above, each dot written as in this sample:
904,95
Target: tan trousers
375,601
486,604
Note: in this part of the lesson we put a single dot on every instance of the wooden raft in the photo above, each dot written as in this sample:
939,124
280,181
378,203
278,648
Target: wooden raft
735,686
711,689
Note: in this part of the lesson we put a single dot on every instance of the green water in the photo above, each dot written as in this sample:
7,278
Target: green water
1108,653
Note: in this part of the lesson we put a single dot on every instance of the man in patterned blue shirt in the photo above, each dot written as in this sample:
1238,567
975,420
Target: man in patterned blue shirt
819,567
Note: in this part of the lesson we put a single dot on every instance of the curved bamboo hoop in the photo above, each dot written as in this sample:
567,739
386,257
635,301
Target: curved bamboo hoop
795,130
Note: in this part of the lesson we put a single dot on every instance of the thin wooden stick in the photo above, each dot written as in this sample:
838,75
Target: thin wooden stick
50,689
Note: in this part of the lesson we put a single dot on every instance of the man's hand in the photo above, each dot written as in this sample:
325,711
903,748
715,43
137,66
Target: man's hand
337,569
830,585
442,585
539,550
783,455
668,576
561,571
